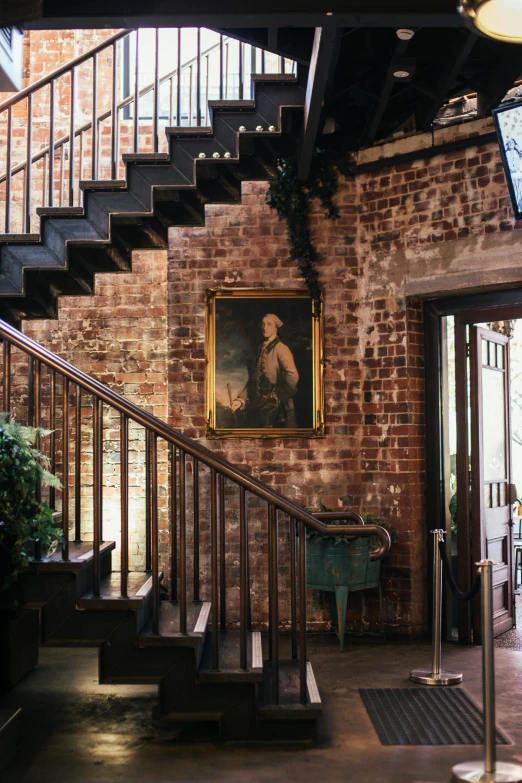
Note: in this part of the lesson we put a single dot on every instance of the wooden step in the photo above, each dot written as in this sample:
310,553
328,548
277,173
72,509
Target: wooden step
10,727
169,633
146,157
102,184
80,555
84,629
229,670
289,707
59,211
139,589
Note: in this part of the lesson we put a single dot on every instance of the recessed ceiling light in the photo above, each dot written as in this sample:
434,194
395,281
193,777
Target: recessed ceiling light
329,13
404,34
401,74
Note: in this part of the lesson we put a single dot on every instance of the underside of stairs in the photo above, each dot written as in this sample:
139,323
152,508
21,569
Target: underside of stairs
204,165
190,690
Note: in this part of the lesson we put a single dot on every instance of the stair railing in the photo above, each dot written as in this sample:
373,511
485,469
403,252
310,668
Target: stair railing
59,135
61,395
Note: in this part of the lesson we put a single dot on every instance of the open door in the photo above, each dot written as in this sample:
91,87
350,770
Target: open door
491,511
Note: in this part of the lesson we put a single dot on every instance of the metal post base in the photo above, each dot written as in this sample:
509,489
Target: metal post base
474,772
426,677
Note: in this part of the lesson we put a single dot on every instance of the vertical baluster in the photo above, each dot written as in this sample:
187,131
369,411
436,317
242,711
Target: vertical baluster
263,61
156,103
195,501
124,503
72,137
222,556
302,614
182,543
65,469
214,569
178,93
275,604
94,159
114,110
6,380
280,64
52,424
8,164
173,525
30,391
293,587
155,537
62,174
148,508
78,467
241,52
198,77
283,64
28,165
207,77
253,52
52,88
80,168
97,490
171,101
226,70
38,413
270,593
136,124
243,580
221,75
44,177
190,97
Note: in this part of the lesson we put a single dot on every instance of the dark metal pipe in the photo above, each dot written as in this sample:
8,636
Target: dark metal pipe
136,124
30,390
37,379
275,604
240,65
214,569
52,86
52,425
195,501
221,79
114,110
94,159
148,495
198,77
182,543
178,75
156,102
155,536
28,168
72,138
243,581
6,381
8,165
124,503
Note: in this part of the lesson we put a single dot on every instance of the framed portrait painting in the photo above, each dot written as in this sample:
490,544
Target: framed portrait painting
264,364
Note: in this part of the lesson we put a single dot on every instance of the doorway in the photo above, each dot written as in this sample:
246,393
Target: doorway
474,358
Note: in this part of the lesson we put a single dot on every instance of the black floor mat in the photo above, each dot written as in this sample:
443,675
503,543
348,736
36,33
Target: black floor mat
422,716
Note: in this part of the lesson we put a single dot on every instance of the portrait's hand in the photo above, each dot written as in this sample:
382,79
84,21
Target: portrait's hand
236,405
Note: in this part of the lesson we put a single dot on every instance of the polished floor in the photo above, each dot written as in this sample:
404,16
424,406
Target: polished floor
76,731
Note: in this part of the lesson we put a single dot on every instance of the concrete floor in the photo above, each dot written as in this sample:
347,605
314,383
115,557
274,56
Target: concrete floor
78,731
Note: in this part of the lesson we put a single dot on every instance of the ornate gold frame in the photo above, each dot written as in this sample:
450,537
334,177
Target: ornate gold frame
317,431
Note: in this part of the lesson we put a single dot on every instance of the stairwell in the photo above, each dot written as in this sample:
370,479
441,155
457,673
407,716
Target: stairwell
179,620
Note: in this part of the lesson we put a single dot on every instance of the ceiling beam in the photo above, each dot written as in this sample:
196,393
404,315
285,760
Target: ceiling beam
501,79
374,119
16,12
454,56
325,53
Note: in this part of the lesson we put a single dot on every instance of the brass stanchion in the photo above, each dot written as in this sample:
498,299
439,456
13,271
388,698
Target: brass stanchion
490,770
436,676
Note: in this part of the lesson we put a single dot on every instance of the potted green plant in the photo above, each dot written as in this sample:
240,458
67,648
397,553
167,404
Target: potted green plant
24,520
339,564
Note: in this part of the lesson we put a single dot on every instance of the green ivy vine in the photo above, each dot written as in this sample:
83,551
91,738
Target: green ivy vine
291,199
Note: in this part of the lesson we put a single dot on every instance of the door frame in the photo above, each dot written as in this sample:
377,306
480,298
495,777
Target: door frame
472,308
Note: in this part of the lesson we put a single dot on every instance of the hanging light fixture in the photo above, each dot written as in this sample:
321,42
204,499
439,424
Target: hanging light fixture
500,19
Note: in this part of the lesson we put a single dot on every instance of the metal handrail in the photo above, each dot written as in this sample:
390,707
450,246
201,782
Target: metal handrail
204,455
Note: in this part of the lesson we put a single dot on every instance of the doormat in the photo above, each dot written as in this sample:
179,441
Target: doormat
418,716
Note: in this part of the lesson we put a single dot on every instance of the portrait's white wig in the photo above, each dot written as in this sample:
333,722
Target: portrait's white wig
278,322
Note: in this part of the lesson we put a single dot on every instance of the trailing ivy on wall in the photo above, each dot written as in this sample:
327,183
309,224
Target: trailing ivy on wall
290,197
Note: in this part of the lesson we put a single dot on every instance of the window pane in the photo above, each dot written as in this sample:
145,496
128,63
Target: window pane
493,424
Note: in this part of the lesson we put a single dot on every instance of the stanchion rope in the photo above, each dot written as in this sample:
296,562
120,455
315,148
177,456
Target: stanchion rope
452,583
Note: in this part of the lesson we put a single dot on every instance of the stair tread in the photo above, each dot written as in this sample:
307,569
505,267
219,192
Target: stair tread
6,238
169,633
146,157
79,555
101,184
60,211
289,692
229,668
139,586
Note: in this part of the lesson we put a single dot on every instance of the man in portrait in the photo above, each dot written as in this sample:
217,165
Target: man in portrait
267,397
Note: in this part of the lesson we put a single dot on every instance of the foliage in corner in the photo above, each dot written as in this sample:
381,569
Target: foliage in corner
23,518
291,198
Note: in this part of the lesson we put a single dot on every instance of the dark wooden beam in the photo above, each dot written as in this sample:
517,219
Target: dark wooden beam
494,87
325,53
389,83
455,54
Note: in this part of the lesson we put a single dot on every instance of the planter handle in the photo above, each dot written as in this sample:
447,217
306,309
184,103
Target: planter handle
360,530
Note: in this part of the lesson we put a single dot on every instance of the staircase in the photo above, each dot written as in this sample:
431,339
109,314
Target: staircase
199,637
90,226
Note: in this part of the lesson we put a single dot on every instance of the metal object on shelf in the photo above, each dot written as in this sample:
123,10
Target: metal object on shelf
488,770
436,676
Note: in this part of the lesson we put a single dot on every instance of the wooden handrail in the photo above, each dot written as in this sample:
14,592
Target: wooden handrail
189,446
